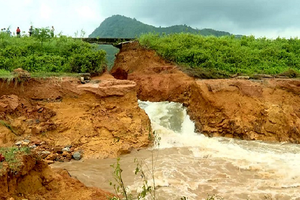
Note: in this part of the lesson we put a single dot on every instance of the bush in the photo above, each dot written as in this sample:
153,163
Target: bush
227,55
43,53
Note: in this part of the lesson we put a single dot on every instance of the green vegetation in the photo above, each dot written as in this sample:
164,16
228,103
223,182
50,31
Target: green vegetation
119,186
44,53
3,123
216,57
118,26
146,188
13,156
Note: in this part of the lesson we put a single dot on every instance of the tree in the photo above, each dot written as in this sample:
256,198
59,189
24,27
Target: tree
42,34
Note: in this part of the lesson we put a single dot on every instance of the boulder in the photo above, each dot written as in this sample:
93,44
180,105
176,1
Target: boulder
77,155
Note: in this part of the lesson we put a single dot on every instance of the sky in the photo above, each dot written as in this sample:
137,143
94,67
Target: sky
260,18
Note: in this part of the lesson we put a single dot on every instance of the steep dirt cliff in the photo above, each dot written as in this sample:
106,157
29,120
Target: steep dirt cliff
248,109
100,119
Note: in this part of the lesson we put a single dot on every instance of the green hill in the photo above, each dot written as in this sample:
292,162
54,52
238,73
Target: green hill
118,26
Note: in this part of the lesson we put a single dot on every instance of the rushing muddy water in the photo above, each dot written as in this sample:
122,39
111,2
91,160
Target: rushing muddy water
191,165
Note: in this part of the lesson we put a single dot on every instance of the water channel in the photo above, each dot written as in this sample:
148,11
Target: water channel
189,164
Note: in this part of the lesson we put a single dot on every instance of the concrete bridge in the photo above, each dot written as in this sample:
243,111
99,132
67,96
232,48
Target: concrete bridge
111,41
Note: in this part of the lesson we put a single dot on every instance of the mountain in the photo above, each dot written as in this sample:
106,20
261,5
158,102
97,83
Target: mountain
118,26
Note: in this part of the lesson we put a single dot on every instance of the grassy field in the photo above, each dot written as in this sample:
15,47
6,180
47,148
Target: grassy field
217,57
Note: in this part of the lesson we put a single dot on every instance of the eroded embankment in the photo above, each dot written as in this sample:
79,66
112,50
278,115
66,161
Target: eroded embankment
258,110
34,179
99,119
60,117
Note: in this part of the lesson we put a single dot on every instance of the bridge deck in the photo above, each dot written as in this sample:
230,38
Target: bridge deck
111,41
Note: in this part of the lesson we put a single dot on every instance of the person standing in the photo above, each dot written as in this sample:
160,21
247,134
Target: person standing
18,31
52,31
30,31
8,31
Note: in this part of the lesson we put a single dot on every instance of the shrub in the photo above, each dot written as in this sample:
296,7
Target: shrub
227,55
43,53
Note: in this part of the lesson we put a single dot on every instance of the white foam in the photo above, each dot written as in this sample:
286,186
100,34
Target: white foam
265,160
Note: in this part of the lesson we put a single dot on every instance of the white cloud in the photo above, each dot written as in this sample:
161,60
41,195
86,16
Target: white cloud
87,12
27,2
255,17
45,11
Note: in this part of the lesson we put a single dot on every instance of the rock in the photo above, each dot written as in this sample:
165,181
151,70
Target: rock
32,146
52,156
57,150
44,154
22,143
82,80
27,141
18,143
77,155
85,77
67,155
66,149
242,77
9,103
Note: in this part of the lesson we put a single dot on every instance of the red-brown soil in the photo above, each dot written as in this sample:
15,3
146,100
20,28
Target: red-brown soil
34,179
101,119
248,109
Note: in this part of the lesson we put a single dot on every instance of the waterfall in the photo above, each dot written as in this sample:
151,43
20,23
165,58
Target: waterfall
189,164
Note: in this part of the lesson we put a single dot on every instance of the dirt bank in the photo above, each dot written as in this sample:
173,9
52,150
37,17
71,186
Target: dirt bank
248,109
99,119
34,179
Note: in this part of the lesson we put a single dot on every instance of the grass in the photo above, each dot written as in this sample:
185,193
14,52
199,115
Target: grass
215,57
53,74
9,76
5,74
13,156
8,126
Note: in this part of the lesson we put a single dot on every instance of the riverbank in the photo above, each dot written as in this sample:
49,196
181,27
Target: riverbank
266,109
34,179
58,117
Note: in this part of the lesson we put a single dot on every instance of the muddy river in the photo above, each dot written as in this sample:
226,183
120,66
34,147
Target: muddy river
191,165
